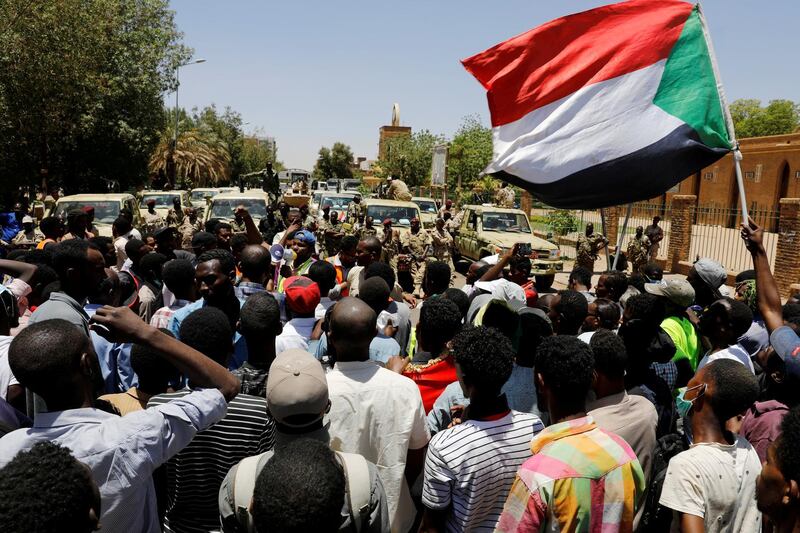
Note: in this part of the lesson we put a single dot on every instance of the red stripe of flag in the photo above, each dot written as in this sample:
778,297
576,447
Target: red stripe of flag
558,58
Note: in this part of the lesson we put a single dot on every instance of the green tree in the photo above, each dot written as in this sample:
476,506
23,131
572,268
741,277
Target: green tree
81,87
201,158
751,119
410,157
470,151
335,162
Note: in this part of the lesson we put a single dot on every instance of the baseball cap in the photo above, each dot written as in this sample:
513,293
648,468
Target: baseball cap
755,339
302,294
387,221
296,385
507,291
712,273
27,220
88,209
786,344
677,291
305,236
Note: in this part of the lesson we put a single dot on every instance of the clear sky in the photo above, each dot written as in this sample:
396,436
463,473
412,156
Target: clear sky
311,73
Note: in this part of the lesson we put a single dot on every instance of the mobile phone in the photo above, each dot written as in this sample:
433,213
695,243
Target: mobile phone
524,249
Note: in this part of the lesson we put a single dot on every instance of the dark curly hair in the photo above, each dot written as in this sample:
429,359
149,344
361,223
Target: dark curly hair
439,322
437,277
566,365
260,317
786,447
616,284
307,476
226,261
383,270
458,297
572,308
647,307
610,357
735,388
208,331
45,489
178,276
582,276
154,371
485,356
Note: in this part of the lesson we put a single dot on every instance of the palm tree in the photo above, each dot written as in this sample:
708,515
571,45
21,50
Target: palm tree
201,157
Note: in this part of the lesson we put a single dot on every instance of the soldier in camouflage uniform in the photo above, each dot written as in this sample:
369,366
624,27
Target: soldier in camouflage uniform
638,250
333,235
29,235
152,220
588,247
189,227
355,211
367,230
309,222
175,215
390,243
416,242
504,197
442,243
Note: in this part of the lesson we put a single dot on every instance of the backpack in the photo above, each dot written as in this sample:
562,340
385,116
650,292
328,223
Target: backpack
357,489
657,518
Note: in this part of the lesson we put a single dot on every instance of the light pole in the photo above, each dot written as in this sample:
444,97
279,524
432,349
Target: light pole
177,115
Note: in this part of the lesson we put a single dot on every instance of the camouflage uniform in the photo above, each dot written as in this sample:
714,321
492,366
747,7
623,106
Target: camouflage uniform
31,238
416,244
364,232
238,227
152,222
323,224
391,247
586,250
187,231
332,244
638,252
442,246
175,218
398,190
505,197
355,211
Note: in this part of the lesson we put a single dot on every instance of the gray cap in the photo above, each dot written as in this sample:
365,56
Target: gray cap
677,291
712,273
296,385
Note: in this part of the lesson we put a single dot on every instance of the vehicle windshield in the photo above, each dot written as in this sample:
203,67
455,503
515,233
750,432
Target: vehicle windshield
224,207
351,184
399,215
337,203
162,199
198,196
317,197
506,222
105,212
426,206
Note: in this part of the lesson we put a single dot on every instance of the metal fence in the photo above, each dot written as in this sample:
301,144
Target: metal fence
715,231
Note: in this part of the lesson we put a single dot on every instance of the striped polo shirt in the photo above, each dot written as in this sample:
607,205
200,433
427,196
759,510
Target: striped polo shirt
195,474
470,467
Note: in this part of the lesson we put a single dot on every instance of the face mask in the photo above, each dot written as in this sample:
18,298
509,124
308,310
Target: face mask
683,405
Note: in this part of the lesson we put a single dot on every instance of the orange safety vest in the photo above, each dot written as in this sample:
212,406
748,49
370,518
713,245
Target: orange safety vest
339,274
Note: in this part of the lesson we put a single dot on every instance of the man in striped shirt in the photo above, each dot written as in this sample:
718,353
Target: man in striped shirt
194,475
470,467
581,477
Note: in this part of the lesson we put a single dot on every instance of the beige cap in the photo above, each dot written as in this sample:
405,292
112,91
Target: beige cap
296,385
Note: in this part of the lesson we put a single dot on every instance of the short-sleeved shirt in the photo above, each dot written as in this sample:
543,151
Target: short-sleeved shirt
61,305
195,474
122,452
470,467
716,482
579,475
733,352
378,413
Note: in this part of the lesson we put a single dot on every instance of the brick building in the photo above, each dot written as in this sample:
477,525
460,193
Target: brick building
770,169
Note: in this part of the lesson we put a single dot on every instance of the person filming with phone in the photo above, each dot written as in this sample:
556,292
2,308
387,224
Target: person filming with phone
518,261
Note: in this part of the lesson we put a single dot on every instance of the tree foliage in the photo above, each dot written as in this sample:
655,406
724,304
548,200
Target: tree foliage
410,157
81,86
470,151
335,162
751,119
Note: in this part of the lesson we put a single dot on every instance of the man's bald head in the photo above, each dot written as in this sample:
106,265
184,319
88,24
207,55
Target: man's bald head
368,251
352,328
254,263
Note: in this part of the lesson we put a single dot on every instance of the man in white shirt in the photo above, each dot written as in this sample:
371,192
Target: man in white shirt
375,412
302,297
712,485
55,360
723,323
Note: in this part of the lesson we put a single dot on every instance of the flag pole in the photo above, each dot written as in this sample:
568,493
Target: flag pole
603,224
621,236
737,153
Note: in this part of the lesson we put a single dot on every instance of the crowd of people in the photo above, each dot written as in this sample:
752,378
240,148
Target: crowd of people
198,378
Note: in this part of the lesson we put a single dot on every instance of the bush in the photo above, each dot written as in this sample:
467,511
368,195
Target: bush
561,222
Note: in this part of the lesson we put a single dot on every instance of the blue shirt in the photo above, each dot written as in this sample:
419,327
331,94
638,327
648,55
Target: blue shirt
239,344
123,451
380,349
114,359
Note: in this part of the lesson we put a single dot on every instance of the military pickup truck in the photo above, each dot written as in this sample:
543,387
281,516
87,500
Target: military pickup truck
487,230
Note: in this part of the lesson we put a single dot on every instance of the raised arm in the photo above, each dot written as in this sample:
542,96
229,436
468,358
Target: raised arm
120,324
18,269
253,235
496,272
767,295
